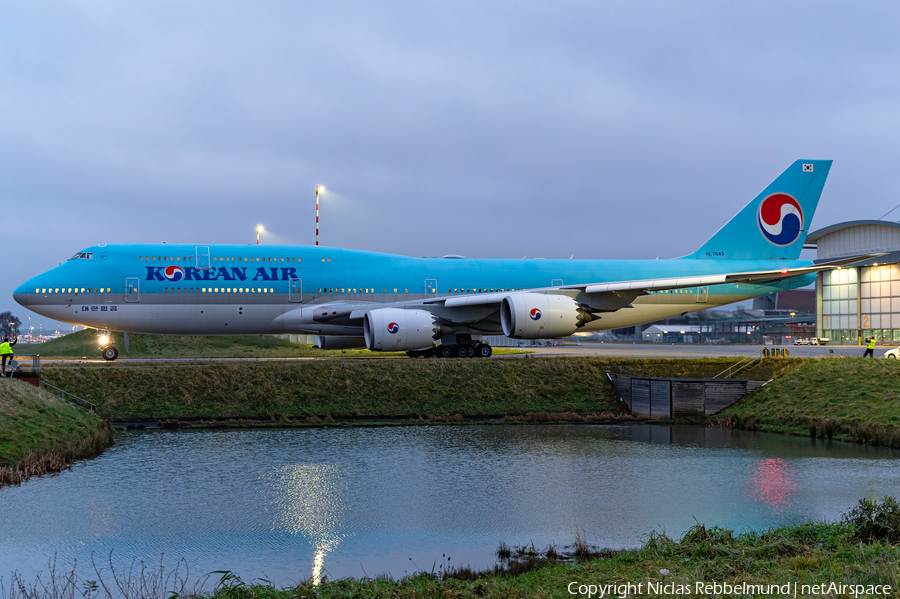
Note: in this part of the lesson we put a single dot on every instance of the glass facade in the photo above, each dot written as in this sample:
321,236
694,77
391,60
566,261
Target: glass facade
840,290
860,302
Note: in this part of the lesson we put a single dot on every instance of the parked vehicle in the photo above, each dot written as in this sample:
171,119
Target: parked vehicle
892,354
802,342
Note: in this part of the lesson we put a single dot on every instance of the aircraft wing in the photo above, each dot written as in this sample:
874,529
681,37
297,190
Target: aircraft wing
762,276
622,290
601,297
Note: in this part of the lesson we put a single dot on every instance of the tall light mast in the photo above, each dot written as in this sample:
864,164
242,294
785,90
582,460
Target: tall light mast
318,189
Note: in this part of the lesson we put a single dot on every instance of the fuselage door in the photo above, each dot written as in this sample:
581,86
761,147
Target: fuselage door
202,257
132,290
430,287
702,294
556,283
295,290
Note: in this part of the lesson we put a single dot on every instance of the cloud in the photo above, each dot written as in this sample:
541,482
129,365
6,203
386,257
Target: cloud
613,130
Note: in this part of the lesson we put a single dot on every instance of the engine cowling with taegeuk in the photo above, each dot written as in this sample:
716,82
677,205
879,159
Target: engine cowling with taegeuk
393,329
540,316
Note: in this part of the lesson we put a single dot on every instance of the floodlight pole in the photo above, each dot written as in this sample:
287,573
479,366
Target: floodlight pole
317,215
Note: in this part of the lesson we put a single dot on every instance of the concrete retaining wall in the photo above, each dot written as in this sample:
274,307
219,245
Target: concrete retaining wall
659,398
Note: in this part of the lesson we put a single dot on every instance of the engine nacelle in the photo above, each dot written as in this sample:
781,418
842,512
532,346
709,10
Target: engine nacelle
392,329
540,316
333,342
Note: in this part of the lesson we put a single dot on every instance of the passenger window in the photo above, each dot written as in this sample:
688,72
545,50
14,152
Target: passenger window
140,258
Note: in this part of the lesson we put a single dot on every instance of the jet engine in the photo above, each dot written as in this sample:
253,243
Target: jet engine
333,342
540,316
392,329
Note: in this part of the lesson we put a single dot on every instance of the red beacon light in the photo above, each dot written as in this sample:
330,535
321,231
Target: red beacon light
784,271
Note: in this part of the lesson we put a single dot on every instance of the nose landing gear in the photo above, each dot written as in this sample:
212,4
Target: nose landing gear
107,349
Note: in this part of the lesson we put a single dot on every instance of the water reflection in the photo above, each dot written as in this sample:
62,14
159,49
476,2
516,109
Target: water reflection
363,501
772,482
308,501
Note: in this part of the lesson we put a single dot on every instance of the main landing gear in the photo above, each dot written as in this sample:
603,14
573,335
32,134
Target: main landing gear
458,350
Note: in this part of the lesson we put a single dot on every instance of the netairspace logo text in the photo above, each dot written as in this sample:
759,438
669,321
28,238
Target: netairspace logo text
621,590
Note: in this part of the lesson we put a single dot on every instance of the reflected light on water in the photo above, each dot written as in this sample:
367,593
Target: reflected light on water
772,482
318,560
308,502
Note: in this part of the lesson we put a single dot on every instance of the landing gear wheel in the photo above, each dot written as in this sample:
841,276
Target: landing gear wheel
460,351
470,352
483,350
414,353
446,351
109,353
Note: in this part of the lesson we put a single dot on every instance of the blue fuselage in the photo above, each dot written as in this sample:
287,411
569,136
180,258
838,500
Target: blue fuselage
241,289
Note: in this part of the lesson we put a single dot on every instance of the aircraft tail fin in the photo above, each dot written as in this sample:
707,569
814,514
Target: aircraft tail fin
773,226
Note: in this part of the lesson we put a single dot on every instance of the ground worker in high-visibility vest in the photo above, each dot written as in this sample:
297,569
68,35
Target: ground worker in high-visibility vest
6,353
870,348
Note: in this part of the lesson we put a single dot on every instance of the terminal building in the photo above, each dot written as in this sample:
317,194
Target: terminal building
863,300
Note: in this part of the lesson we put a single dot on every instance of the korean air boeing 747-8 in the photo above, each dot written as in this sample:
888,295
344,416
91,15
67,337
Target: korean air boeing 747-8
426,306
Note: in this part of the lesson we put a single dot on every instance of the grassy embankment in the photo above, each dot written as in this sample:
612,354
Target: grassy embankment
566,389
851,399
84,343
40,433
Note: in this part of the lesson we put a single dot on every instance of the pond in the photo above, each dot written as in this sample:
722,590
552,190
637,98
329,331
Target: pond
282,504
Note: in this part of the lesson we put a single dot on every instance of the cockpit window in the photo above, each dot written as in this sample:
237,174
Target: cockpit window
83,256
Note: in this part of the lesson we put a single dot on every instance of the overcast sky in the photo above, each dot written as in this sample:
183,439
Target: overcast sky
504,129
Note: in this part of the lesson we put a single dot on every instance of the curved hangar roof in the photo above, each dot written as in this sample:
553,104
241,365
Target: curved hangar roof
854,238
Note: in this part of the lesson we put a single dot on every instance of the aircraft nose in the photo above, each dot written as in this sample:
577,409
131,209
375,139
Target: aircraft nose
20,294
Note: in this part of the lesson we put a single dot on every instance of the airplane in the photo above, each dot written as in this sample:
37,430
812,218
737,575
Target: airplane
427,307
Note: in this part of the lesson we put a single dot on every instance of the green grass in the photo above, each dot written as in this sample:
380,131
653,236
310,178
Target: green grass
843,398
33,423
339,388
374,389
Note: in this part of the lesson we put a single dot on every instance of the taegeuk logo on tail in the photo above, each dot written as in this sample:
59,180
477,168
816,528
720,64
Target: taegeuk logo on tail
780,219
